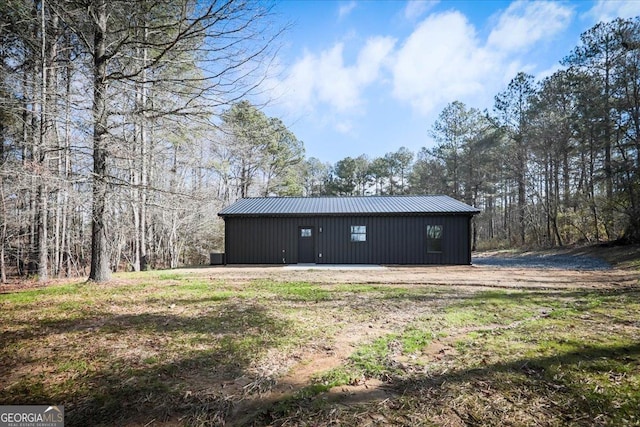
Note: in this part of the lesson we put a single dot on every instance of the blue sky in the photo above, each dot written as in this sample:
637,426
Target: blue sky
367,77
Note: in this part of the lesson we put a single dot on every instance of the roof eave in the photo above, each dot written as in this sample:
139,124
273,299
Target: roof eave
335,214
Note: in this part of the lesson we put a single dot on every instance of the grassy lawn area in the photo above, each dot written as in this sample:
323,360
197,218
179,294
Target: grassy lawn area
182,348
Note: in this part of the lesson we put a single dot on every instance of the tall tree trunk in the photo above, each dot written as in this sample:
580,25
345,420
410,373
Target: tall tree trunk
566,179
556,204
100,271
43,255
548,197
522,188
43,148
608,172
591,186
65,232
144,137
3,231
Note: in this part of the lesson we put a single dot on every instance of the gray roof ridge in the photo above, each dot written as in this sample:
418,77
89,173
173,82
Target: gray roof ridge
345,205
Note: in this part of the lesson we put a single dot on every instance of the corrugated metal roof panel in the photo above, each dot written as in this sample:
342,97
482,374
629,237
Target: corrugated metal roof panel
269,206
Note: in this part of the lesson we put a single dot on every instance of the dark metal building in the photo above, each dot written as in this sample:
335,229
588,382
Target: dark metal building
348,230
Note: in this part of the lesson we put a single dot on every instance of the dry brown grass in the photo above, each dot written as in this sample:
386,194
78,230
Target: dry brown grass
447,346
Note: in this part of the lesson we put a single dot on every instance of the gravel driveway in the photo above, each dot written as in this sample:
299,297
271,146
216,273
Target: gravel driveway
552,261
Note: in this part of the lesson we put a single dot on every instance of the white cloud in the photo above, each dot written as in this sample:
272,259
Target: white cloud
416,8
441,60
526,23
607,10
344,126
372,57
335,84
346,9
444,59
324,78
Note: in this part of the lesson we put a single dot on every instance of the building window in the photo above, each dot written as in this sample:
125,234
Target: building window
434,238
305,232
358,233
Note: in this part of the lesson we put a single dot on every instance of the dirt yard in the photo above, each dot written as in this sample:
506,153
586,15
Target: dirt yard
345,345
480,276
321,358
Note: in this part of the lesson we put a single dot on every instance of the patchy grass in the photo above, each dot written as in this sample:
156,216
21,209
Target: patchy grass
529,358
294,291
185,349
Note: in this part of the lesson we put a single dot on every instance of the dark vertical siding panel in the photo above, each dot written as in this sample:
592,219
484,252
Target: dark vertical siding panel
407,242
390,239
389,249
287,234
334,240
328,239
231,237
229,240
415,247
394,243
367,256
239,240
244,230
342,241
250,246
254,239
289,231
343,244
342,250
385,248
276,240
272,238
260,248
415,242
394,227
331,236
377,242
251,233
320,241
447,247
316,238
397,229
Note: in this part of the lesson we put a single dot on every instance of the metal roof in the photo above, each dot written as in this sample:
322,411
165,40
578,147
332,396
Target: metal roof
350,205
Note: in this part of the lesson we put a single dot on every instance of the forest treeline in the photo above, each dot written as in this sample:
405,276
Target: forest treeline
125,127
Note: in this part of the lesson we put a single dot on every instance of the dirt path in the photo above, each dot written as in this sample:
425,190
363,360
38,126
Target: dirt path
483,276
318,359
